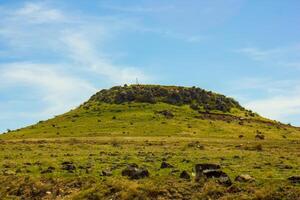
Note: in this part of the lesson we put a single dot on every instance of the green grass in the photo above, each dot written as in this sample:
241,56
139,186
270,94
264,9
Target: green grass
109,136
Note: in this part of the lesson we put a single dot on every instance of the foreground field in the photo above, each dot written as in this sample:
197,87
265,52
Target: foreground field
35,168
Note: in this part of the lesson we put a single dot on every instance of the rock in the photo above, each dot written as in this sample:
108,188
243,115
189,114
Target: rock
8,172
164,165
106,173
134,172
212,171
294,179
244,178
168,114
185,175
48,170
222,177
196,144
201,167
259,137
68,166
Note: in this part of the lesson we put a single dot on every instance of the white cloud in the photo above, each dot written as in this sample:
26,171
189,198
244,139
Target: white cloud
59,56
56,90
278,107
288,56
274,99
38,13
138,8
82,51
259,54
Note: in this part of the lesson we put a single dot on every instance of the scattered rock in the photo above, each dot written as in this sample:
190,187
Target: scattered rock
8,172
185,175
48,170
106,173
196,144
68,166
202,167
134,172
294,179
166,165
208,171
168,114
259,136
244,178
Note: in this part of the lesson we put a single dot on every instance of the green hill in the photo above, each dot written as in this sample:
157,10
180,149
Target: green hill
152,110
163,131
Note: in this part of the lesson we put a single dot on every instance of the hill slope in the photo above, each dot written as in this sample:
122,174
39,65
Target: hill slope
152,110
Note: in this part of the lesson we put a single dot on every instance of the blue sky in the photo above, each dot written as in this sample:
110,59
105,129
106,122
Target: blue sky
55,54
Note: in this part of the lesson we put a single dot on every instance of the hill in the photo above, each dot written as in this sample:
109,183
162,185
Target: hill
152,110
152,142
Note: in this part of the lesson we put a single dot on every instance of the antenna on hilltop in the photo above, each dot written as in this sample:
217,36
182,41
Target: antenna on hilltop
137,81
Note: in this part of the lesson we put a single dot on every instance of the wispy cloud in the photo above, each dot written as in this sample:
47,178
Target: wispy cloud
56,90
58,57
280,56
278,107
82,51
38,13
275,99
138,8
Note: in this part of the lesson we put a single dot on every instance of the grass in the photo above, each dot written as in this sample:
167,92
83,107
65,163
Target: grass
99,136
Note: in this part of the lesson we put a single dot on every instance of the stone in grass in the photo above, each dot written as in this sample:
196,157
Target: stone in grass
68,166
244,178
106,173
164,165
212,171
294,179
259,137
185,175
133,171
48,170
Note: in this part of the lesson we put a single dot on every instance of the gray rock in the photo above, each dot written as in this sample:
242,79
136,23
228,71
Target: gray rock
68,166
212,171
164,165
294,179
134,172
48,170
244,178
185,175
106,173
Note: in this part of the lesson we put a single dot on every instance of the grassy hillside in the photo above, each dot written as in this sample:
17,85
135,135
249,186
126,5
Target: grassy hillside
81,154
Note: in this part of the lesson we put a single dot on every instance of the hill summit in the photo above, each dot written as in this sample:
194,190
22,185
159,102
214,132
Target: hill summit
196,97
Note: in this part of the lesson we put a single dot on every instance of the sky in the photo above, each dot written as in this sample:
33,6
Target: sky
55,54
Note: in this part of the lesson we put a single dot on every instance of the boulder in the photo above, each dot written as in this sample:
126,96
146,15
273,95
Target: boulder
294,179
212,171
164,165
48,170
206,166
259,137
185,175
244,178
134,172
68,166
106,173
168,114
